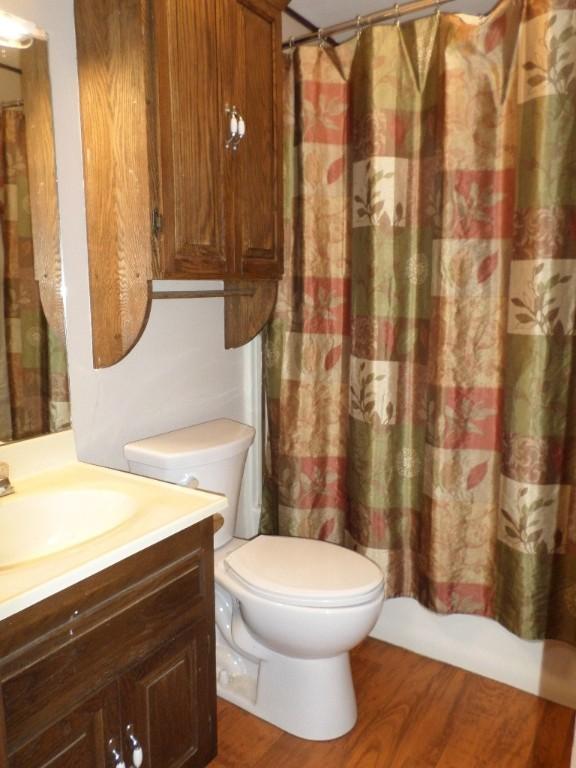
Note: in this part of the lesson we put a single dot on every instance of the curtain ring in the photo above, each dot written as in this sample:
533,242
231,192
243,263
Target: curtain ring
397,9
291,45
321,38
359,27
437,8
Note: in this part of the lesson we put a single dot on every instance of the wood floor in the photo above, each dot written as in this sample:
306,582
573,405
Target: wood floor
413,713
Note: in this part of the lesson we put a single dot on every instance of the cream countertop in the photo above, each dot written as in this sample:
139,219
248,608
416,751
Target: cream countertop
162,510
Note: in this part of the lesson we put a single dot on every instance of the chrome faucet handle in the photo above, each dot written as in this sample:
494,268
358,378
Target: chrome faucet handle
5,484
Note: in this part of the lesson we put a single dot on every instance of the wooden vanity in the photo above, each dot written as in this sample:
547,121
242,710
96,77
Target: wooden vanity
118,662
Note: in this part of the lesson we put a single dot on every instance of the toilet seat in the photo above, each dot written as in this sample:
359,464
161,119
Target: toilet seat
304,572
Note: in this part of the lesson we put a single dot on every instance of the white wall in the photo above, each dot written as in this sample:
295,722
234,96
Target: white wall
179,372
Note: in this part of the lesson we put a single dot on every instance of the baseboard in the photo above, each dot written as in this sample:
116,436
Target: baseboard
546,669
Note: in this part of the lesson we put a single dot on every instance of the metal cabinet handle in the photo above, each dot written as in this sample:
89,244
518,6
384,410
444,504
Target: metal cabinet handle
237,128
137,751
241,128
115,755
232,140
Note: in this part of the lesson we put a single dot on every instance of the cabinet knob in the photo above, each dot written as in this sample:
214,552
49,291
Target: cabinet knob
115,755
136,747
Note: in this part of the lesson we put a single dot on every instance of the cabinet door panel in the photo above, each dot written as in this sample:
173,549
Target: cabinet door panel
191,128
79,739
168,697
259,177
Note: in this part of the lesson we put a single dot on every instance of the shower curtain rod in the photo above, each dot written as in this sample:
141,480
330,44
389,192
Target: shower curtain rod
361,22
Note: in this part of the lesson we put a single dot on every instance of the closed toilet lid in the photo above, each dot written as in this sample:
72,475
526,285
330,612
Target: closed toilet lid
305,572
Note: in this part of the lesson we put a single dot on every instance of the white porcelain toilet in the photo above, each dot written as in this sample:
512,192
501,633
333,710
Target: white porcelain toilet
288,610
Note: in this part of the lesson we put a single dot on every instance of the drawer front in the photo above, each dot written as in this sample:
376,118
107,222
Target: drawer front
68,609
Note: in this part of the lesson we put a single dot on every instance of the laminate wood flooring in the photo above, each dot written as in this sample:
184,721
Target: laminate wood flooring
413,713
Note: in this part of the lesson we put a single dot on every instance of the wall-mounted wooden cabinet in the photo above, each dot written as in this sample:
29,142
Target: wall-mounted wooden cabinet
181,121
122,661
220,193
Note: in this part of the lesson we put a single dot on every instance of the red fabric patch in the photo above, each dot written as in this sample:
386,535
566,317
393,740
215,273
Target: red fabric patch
479,204
325,113
468,418
475,599
326,306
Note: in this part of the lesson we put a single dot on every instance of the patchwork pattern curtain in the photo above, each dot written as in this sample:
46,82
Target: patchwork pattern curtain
421,361
34,386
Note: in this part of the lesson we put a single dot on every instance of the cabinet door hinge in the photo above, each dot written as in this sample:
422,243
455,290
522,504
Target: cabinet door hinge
157,222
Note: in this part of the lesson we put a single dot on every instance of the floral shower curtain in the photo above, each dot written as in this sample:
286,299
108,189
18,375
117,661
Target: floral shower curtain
34,385
421,362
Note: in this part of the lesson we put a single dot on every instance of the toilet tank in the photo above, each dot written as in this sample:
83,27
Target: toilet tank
210,456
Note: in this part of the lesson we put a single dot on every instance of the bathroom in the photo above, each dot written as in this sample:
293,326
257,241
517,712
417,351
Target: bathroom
179,374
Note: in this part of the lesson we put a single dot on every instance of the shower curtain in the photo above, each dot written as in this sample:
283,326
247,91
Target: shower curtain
420,365
34,383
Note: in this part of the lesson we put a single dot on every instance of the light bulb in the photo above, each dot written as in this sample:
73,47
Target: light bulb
16,32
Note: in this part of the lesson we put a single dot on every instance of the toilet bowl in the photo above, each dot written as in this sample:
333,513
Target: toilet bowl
288,610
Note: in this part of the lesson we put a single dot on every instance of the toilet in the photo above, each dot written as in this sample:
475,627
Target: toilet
288,610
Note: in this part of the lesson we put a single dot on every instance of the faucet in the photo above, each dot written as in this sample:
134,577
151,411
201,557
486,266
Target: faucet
6,487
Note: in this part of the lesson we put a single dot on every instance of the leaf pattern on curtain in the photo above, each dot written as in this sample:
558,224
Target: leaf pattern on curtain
35,389
421,361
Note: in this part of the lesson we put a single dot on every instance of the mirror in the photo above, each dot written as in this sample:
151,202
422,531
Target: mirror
34,395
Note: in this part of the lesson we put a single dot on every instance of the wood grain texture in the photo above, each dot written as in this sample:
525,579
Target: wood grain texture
3,738
79,739
113,61
189,48
178,679
37,96
413,713
245,316
258,179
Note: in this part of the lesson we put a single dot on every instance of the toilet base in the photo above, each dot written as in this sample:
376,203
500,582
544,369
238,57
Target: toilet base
310,698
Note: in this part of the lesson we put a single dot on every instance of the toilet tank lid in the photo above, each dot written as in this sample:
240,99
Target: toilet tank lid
192,446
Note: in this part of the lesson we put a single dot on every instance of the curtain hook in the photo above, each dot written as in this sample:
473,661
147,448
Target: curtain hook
291,45
359,26
438,8
397,9
321,38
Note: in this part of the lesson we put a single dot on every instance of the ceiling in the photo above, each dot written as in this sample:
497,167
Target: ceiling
323,13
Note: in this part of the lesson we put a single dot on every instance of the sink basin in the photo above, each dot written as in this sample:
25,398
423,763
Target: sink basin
35,525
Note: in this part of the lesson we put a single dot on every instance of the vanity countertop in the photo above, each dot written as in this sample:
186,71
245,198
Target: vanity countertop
161,510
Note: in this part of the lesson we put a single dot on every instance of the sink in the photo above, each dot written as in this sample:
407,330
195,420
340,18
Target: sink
35,525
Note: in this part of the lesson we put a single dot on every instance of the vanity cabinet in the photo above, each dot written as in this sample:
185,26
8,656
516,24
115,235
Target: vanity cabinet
181,106
119,662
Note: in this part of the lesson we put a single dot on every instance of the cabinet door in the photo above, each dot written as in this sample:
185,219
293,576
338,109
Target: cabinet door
258,178
79,739
169,702
191,134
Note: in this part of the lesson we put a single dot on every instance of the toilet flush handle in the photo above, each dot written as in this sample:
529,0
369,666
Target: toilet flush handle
190,481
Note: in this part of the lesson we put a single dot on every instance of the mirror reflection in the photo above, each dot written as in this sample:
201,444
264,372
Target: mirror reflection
34,395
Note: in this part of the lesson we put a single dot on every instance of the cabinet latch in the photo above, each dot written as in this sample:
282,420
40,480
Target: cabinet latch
157,222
